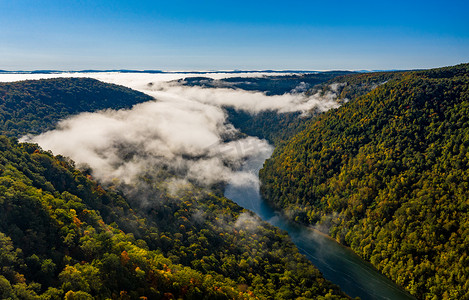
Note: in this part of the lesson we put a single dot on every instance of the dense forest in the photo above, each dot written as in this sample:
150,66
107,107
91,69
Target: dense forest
387,175
63,235
34,106
270,85
271,125
277,127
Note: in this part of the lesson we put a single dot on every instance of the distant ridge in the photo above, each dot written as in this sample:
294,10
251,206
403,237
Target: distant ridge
196,72
160,71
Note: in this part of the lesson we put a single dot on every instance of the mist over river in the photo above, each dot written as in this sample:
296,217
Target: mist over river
338,264
186,130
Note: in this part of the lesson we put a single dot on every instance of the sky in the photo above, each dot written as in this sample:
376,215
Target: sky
232,35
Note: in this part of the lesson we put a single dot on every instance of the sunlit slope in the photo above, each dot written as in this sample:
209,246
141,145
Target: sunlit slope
387,174
34,106
62,234
55,243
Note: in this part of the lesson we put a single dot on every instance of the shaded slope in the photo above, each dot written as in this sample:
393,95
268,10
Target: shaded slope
271,85
270,125
34,106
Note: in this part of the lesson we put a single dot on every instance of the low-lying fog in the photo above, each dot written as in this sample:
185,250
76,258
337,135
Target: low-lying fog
184,131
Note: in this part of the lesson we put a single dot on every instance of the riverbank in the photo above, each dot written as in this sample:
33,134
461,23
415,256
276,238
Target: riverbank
338,263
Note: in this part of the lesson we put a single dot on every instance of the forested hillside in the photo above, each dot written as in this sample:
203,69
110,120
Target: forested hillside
34,106
271,85
62,235
387,174
270,125
277,127
351,86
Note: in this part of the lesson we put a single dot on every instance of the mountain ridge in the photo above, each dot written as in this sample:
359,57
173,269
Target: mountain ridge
386,174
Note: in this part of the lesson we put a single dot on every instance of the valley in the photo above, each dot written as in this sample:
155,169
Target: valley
158,181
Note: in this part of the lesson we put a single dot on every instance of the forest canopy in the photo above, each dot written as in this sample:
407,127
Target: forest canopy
65,236
387,174
34,106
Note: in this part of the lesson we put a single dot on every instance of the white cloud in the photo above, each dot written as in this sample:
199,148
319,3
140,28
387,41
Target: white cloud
184,132
253,102
185,139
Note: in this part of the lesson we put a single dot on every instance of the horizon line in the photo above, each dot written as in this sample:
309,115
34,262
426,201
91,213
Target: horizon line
234,71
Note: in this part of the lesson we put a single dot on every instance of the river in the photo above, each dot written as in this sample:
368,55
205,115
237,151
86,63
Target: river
337,263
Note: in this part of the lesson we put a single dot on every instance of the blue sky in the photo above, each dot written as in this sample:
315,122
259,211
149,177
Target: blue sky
215,35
